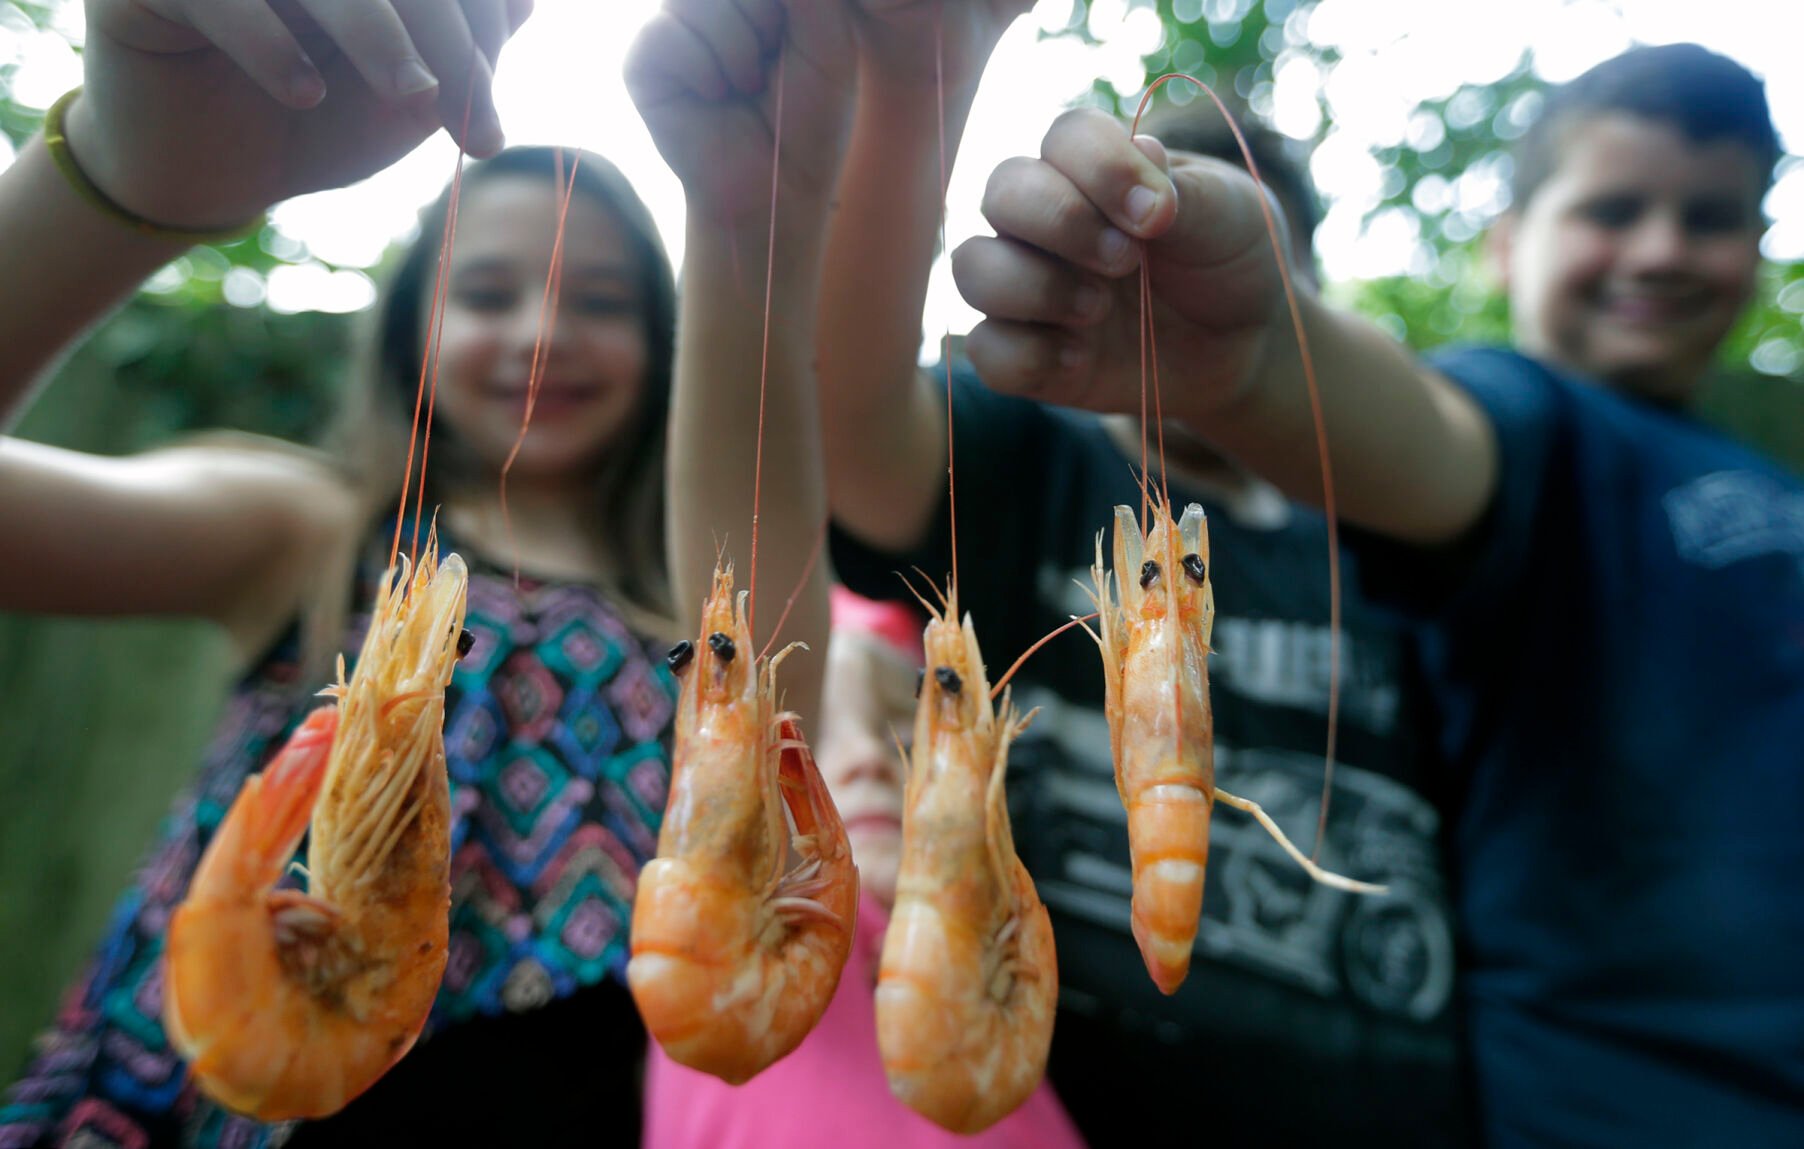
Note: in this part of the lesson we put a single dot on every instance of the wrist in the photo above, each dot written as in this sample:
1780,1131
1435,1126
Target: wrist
71,135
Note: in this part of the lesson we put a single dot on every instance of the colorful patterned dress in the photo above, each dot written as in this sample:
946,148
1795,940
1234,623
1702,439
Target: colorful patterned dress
557,738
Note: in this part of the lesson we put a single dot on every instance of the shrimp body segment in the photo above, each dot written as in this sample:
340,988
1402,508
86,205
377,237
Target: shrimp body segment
1155,619
968,981
290,1004
741,925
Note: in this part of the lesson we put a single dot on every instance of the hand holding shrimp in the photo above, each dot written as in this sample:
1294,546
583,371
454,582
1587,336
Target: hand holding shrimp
196,115
254,102
1057,285
290,1004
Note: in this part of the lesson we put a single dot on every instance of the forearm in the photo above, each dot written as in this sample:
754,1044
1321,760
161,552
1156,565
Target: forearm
1413,457
66,265
884,435
714,428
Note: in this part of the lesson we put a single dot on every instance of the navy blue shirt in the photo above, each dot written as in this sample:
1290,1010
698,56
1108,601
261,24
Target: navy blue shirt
1619,655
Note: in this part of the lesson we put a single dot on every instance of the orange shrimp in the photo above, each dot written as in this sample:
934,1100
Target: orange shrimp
1154,628
968,981
290,1004
736,953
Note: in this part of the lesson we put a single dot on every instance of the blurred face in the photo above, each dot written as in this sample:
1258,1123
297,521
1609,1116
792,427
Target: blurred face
1632,261
593,357
869,694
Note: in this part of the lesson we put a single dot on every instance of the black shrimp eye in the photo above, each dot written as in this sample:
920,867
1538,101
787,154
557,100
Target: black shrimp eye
920,677
1149,570
679,656
1196,568
466,642
722,646
948,679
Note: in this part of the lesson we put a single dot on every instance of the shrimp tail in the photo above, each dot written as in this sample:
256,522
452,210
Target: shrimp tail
242,864
257,839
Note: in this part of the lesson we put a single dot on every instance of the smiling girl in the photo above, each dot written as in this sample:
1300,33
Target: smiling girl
558,716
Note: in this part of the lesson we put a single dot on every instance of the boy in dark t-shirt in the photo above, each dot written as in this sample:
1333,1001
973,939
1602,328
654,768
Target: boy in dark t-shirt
1612,595
1310,1015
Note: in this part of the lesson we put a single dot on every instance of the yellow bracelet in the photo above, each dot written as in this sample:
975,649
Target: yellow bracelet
58,143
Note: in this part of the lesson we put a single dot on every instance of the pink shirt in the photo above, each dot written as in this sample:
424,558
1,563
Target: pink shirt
831,1092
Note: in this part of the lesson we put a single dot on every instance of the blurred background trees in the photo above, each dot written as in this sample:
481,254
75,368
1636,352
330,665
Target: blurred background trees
103,721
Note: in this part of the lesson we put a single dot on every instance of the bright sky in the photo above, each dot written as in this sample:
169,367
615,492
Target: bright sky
560,82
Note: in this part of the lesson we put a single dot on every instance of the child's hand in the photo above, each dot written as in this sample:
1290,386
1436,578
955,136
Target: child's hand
200,113
918,43
703,74
1059,282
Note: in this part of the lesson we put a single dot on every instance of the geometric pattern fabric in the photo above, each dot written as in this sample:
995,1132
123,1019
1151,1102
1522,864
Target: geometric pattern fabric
557,738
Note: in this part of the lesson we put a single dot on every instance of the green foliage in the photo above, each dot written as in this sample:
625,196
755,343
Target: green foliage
19,21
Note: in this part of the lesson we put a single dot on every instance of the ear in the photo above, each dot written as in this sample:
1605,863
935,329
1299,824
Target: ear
1500,244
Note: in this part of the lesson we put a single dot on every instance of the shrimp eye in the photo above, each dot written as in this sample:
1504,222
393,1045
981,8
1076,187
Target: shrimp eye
679,656
948,679
920,677
722,646
1149,570
466,642
1196,568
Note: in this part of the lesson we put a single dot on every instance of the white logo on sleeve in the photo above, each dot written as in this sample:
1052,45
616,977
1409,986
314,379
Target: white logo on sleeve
1728,516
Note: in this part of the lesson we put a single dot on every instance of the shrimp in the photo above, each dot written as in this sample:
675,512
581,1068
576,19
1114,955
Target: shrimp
1154,630
968,981
735,954
290,1004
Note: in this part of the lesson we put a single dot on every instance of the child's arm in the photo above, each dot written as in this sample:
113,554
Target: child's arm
885,421
1413,456
704,76
171,129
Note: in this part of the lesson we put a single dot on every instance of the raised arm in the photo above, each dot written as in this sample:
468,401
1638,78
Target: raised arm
194,118
884,419
704,75
1413,456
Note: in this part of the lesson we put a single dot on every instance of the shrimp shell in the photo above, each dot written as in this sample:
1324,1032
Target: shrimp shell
1155,619
736,953
968,982
289,1004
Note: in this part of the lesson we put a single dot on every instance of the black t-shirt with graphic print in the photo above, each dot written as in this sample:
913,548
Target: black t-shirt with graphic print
1310,1015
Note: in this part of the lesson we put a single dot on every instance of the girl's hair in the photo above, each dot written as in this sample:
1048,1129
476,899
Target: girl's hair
629,486
1706,97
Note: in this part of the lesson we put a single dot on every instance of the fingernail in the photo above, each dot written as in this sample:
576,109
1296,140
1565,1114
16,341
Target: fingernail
306,87
1141,203
412,78
1115,246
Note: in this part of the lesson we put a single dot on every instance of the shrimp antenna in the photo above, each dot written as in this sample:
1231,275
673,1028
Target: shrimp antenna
934,586
535,373
770,271
814,555
1076,620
